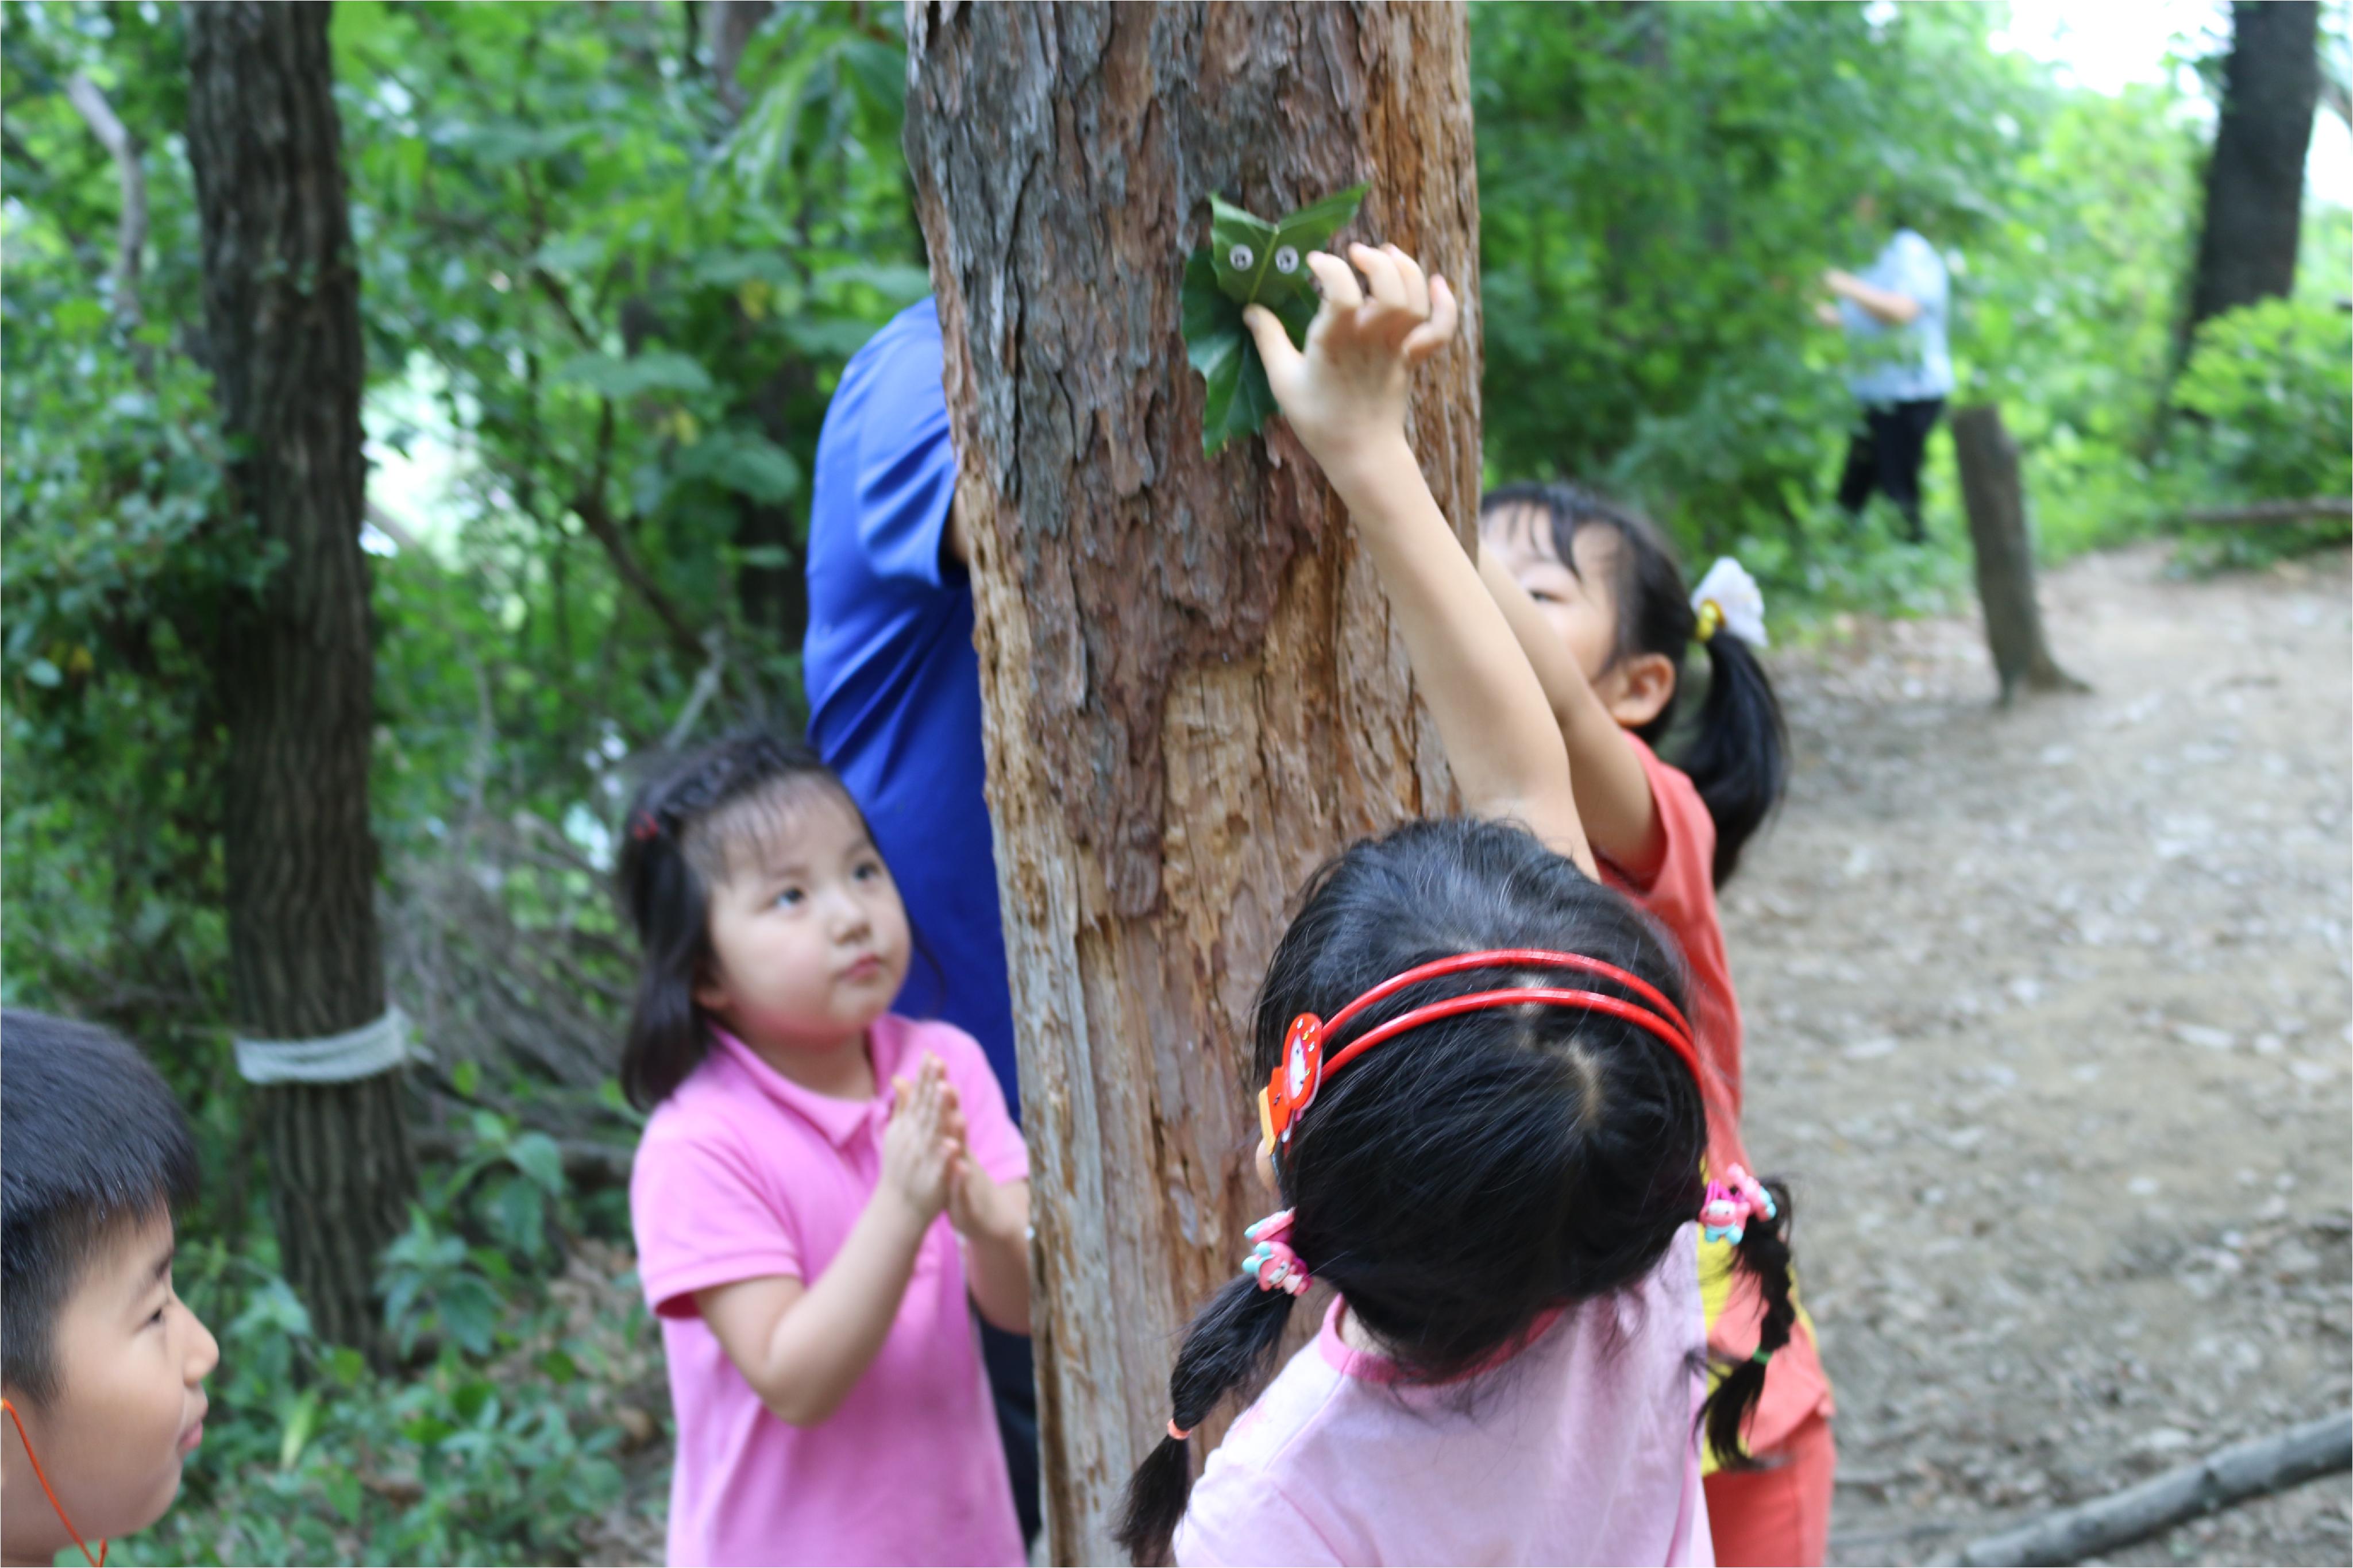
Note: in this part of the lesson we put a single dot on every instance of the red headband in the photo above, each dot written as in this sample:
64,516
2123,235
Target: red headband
1302,1071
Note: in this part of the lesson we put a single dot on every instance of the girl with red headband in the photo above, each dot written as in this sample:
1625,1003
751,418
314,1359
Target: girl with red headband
1483,1115
1598,601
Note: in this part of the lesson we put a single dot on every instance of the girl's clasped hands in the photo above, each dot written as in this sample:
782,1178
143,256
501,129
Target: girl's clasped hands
927,1160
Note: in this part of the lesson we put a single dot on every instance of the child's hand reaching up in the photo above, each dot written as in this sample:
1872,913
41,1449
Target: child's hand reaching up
920,1146
1344,395
1345,398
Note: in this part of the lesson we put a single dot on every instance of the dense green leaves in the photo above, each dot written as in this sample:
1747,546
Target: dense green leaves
2274,408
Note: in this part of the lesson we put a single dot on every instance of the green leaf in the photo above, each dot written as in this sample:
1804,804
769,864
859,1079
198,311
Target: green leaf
343,1490
830,338
1266,263
744,462
1245,263
41,672
613,376
300,1422
466,1078
536,1155
1236,399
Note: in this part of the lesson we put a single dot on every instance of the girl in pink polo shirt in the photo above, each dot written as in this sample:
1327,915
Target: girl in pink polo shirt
1484,1113
820,1186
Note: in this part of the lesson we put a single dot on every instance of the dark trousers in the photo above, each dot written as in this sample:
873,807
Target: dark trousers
1886,455
1013,1380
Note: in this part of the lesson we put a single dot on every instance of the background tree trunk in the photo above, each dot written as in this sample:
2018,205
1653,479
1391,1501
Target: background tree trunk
1194,695
296,664
2255,179
1995,498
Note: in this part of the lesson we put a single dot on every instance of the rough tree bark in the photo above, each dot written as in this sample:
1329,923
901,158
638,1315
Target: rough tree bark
1995,498
2255,179
1194,695
296,664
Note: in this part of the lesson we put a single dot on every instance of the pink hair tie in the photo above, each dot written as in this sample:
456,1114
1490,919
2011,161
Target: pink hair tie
1180,1433
1272,1262
1732,1202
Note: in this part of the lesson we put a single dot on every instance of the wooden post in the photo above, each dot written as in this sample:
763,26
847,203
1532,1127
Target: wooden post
1995,499
1194,696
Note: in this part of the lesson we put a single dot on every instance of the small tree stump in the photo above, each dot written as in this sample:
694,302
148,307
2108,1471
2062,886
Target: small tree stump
1995,499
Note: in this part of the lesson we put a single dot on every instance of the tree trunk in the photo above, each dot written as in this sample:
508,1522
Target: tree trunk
2255,181
1194,695
296,663
1995,499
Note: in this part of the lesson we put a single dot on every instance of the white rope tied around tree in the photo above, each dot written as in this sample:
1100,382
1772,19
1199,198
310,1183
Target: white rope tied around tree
364,1052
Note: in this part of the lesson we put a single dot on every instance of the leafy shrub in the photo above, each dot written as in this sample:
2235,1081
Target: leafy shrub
2268,386
501,1446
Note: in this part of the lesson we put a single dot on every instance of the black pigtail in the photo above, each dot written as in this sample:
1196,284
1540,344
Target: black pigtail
664,898
1232,1341
1740,760
1764,1252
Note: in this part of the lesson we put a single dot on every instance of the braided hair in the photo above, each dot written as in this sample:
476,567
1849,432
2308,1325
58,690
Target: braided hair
1479,1170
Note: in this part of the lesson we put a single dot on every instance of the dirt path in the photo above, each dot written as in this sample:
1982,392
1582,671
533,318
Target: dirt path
2048,1023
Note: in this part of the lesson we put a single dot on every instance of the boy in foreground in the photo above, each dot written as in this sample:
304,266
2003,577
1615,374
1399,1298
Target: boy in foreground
102,1363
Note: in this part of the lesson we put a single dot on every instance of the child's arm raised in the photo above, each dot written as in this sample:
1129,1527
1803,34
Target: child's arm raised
1613,793
803,1349
1345,398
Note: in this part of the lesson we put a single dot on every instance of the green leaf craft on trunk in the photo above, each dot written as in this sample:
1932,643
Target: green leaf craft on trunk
1250,261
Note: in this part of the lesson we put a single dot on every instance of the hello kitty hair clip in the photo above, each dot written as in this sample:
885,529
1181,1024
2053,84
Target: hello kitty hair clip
1732,1202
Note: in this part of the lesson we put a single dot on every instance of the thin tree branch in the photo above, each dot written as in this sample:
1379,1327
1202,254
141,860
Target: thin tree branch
130,231
598,520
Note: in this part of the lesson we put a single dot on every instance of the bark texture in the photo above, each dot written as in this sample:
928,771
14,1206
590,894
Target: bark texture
1194,695
1995,498
296,663
2255,181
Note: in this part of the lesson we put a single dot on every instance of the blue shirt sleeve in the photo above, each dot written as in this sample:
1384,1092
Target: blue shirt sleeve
904,471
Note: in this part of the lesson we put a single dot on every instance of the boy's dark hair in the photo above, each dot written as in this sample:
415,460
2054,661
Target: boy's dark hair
1738,758
1463,1179
675,841
89,1138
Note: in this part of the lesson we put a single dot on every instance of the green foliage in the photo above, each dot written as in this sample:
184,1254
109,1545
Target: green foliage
497,1443
1250,261
1660,188
2268,384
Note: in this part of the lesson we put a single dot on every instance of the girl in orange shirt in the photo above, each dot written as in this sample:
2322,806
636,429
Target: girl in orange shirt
1597,599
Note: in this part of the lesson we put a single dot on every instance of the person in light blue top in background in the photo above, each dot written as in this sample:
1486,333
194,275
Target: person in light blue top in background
1894,314
894,709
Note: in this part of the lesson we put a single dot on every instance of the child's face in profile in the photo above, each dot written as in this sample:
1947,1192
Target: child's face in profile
808,937
130,1407
1578,599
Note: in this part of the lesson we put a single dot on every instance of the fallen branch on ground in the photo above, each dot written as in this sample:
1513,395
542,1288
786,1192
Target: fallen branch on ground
2310,509
2227,1475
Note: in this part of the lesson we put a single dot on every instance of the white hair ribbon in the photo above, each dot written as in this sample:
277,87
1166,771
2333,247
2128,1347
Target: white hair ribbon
1729,597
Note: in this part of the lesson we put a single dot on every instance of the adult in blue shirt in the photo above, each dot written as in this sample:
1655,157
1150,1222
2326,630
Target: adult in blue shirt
1894,315
894,706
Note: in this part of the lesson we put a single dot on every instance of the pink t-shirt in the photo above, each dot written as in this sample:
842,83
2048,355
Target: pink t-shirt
1581,1448
743,1174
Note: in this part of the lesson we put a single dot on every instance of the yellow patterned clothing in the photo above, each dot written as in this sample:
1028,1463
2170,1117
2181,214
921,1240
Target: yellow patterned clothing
1796,1387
